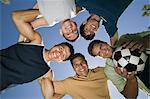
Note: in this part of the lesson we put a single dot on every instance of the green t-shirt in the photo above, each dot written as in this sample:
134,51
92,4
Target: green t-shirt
116,79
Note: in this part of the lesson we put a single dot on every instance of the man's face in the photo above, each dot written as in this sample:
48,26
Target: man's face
91,26
80,66
69,30
102,50
59,53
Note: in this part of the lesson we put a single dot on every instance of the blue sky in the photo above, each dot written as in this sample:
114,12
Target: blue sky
131,21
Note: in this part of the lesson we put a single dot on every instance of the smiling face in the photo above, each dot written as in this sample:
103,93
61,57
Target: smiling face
69,30
92,25
59,53
102,50
80,66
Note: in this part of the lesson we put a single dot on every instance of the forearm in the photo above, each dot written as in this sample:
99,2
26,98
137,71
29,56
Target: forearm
46,88
131,88
114,39
22,20
39,22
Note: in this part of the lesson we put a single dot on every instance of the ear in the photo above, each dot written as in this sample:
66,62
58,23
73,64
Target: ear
60,31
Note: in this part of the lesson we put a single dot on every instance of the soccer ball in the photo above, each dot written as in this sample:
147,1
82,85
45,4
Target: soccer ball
131,60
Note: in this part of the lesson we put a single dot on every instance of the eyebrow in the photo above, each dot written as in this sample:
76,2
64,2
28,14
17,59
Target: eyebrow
100,45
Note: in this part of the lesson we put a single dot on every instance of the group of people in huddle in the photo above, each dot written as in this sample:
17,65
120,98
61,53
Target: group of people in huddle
28,59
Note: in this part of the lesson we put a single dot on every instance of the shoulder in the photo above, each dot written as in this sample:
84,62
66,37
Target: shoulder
97,69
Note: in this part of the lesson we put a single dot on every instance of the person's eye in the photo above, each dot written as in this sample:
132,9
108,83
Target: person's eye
60,48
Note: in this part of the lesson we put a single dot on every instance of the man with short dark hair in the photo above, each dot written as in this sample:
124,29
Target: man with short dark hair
86,84
54,11
105,11
28,59
128,87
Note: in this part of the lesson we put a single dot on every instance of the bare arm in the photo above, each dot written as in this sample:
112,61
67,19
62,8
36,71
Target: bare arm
22,20
46,85
39,22
47,88
114,39
131,88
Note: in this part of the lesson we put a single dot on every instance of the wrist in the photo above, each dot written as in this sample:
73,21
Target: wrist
132,79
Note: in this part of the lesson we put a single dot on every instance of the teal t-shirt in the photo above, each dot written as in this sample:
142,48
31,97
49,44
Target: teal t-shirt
110,10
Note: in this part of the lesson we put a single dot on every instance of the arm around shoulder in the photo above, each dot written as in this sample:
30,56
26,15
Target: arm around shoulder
47,87
22,19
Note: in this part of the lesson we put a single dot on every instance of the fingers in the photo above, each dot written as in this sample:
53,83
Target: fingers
125,44
137,45
131,75
48,75
133,45
124,73
118,70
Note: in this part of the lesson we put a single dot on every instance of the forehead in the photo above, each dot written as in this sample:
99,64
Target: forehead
68,22
66,49
78,59
96,48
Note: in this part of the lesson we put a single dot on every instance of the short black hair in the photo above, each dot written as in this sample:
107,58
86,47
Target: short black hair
77,55
71,49
91,45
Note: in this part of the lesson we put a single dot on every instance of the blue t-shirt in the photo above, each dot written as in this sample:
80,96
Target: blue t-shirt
110,10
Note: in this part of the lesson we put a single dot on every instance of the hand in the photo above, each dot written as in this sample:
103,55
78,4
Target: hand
134,45
123,72
48,75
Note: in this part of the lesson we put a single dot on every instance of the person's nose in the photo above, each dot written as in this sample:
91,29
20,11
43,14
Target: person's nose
80,66
103,51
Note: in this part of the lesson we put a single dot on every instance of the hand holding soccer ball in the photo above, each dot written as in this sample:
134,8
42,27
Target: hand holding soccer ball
131,60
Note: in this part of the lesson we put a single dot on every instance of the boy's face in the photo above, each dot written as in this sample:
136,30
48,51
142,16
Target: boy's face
80,66
69,30
59,53
91,26
102,50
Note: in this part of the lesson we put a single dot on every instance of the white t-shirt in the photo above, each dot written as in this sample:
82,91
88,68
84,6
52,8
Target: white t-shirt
55,11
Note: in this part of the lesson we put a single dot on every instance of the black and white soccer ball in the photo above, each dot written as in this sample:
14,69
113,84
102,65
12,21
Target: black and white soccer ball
131,60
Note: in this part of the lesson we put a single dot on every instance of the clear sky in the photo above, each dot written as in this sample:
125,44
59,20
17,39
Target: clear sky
131,21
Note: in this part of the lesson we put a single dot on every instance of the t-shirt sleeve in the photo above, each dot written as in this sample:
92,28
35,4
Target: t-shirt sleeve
110,27
59,87
116,79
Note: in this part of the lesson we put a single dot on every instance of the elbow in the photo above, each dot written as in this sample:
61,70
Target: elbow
16,16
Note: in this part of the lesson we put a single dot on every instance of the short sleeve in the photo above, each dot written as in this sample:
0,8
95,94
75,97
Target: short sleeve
59,87
116,79
55,11
110,27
